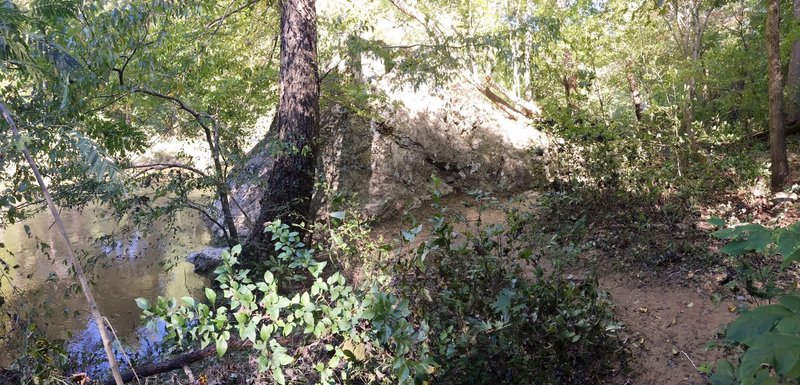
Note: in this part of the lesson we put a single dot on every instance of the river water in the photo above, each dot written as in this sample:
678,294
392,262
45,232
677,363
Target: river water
124,265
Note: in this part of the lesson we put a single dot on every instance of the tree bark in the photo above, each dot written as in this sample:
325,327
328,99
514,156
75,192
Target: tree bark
793,75
290,184
570,82
635,96
777,135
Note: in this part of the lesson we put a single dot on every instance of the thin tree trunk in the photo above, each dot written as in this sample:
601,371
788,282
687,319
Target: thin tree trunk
793,75
73,260
635,97
291,182
570,81
777,136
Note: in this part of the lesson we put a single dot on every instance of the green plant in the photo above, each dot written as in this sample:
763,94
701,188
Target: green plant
350,333
769,335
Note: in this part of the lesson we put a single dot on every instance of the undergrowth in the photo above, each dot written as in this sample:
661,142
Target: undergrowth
443,306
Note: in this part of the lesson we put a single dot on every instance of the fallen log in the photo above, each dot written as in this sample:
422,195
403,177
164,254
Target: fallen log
174,363
791,129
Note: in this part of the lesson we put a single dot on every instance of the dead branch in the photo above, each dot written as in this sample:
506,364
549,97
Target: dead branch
175,363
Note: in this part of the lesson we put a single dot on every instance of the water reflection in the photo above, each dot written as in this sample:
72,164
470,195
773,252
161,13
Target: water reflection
122,268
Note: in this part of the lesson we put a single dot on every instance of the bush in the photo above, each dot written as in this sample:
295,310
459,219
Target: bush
455,308
769,335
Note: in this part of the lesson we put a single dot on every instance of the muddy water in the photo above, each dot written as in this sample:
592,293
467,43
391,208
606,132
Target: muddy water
124,264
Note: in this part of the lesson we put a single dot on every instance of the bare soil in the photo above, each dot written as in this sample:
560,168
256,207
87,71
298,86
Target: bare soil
672,315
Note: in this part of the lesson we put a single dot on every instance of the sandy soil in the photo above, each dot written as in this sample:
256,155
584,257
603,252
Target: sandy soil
666,328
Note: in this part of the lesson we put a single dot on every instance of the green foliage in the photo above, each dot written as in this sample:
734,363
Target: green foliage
450,308
495,320
329,317
769,334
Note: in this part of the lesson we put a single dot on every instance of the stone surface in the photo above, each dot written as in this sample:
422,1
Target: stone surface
385,162
206,260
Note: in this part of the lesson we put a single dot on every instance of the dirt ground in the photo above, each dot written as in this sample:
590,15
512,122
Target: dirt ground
668,321
666,327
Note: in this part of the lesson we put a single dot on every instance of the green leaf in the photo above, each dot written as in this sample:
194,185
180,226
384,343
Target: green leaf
759,240
236,250
283,359
725,374
211,295
729,233
735,248
143,303
778,350
189,301
787,260
751,325
788,241
249,333
716,221
277,375
222,346
791,302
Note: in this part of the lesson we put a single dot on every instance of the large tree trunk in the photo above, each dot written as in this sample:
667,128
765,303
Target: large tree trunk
793,75
777,135
291,182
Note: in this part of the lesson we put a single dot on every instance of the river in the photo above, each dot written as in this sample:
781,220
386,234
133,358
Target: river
124,265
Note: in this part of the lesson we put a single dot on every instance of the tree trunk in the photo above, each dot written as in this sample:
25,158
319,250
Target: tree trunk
570,81
777,136
291,182
793,75
635,97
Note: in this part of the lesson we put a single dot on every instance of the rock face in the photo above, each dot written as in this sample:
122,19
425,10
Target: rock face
385,162
206,260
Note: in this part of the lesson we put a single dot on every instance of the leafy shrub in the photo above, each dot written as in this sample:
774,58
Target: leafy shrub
457,308
497,316
769,335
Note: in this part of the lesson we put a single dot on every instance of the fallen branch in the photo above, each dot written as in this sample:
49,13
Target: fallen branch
791,129
495,92
165,166
175,363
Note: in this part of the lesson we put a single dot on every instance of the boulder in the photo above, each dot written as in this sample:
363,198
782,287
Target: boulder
206,260
383,161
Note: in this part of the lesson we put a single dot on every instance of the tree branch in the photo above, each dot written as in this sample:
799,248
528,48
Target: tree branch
71,257
164,166
218,21
175,363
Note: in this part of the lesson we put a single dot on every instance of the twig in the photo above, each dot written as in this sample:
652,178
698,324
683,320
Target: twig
163,166
124,354
690,360
188,371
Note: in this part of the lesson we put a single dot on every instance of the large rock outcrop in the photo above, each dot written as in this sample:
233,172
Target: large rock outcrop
385,162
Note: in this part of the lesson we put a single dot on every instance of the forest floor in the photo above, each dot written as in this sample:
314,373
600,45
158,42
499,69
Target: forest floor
664,272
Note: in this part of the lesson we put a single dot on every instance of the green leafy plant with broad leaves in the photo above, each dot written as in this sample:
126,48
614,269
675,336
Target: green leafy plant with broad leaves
352,334
455,302
769,335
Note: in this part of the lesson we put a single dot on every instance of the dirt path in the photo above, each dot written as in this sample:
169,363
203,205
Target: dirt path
666,328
